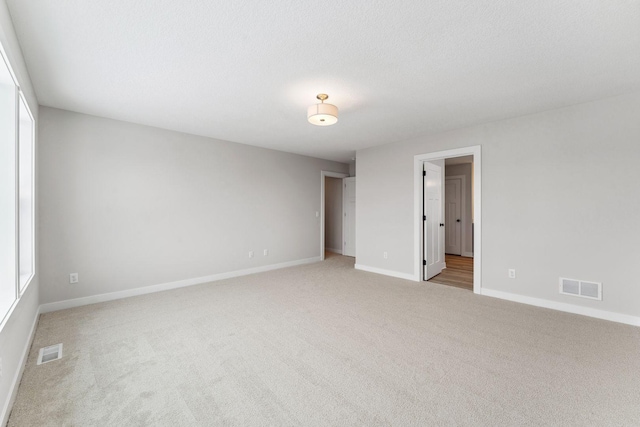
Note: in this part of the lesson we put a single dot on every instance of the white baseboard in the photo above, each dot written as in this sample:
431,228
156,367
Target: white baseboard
467,254
561,306
335,251
13,389
386,272
93,299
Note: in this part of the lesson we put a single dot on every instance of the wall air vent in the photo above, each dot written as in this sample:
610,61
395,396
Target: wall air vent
49,354
581,288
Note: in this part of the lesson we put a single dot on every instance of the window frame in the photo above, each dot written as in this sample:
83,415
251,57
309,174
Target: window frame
21,289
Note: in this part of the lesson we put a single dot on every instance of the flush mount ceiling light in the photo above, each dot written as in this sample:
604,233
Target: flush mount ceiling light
322,114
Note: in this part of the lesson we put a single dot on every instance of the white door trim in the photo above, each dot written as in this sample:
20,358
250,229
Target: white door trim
463,209
324,174
418,161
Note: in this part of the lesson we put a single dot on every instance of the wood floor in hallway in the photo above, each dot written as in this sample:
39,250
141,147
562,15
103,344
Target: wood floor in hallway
459,272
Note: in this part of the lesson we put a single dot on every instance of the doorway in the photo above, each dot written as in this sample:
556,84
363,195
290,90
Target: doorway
333,215
458,220
453,229
459,215
324,175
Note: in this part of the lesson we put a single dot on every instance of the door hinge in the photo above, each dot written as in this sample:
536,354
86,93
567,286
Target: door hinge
424,262
424,217
424,173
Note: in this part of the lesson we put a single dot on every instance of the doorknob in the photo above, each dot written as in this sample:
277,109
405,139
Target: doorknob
441,225
457,220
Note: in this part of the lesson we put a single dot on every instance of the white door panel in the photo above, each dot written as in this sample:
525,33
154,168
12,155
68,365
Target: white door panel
433,224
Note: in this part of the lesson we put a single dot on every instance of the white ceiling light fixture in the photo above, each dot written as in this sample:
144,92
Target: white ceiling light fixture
322,114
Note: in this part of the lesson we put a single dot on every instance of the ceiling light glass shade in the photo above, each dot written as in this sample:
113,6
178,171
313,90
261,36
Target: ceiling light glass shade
322,114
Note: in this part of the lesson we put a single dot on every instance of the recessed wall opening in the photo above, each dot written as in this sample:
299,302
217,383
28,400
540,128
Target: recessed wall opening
333,215
331,212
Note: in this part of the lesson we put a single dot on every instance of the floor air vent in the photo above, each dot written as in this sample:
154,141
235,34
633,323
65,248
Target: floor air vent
581,288
49,354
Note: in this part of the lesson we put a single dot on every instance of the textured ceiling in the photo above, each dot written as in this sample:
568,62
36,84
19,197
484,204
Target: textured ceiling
245,71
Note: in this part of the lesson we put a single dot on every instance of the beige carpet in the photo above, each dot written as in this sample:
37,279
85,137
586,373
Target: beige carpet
322,345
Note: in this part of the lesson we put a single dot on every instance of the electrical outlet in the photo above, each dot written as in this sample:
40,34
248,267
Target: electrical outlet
73,278
250,254
385,255
317,214
512,273
265,252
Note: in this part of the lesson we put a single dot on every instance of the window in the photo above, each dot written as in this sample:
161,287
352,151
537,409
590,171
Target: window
8,243
17,233
26,136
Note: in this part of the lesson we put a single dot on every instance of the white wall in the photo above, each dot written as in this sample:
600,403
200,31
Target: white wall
333,214
127,206
466,171
352,168
15,335
559,198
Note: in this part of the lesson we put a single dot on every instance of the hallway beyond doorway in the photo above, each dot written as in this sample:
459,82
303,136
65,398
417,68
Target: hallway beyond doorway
459,272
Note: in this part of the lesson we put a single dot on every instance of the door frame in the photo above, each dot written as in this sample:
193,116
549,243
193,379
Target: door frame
463,210
418,244
323,175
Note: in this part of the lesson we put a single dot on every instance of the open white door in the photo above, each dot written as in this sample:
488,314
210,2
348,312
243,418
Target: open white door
433,224
349,217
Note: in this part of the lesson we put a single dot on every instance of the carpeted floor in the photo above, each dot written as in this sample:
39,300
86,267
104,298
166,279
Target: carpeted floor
324,344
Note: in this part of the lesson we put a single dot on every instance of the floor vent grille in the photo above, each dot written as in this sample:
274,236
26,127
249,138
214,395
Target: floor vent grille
581,288
49,354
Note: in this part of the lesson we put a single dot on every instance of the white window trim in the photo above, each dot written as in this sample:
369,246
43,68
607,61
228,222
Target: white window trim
22,289
18,294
